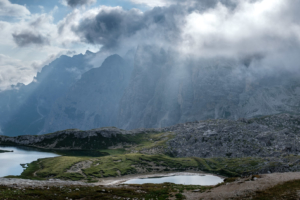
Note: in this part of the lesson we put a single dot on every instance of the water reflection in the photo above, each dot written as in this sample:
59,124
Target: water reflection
10,162
183,180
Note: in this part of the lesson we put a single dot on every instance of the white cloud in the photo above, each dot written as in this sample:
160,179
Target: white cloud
14,71
12,10
252,27
30,43
247,28
153,3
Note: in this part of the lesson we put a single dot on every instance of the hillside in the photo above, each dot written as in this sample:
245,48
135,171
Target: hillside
232,148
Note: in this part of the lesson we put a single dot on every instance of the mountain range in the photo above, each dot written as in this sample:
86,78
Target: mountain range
149,88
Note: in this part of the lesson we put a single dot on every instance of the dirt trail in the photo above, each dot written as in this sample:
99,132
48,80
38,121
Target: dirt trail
242,188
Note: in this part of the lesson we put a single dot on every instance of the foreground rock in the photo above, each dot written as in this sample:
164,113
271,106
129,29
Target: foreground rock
244,188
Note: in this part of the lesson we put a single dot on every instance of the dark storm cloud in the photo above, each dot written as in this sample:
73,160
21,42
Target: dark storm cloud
110,26
27,38
206,28
74,3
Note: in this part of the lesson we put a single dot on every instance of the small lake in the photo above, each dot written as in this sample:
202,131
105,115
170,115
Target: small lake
182,180
11,161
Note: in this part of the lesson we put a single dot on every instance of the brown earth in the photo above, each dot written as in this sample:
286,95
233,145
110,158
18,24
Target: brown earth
244,187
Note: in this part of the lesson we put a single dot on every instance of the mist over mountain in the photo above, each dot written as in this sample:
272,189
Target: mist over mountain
148,88
168,90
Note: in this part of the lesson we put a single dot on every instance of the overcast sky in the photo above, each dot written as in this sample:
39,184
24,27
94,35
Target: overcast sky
34,32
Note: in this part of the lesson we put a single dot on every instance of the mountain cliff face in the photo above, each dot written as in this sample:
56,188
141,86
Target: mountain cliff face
24,109
164,92
93,101
152,89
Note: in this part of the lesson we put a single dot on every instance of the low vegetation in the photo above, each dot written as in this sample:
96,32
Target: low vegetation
137,192
287,190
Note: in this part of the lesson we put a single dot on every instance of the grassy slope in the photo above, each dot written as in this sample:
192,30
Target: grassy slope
123,164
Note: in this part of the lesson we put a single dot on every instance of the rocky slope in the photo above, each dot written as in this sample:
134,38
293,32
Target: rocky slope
271,136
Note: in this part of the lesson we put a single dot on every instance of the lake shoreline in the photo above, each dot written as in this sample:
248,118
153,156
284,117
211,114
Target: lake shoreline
14,161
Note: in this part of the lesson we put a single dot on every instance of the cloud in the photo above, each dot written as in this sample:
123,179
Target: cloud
26,38
203,4
263,35
75,3
12,10
114,27
249,31
153,3
28,44
110,25
259,27
14,71
208,28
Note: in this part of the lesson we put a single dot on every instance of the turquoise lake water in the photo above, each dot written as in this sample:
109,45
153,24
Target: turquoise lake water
184,180
10,162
